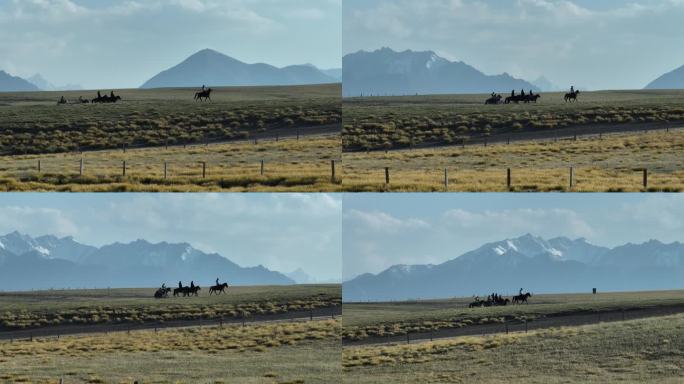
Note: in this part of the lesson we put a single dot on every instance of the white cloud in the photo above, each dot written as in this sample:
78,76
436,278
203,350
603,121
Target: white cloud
36,221
382,222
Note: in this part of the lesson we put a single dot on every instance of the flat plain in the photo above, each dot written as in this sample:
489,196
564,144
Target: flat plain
127,146
608,138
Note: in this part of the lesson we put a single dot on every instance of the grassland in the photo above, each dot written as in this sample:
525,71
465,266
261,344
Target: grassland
613,163
293,130
32,123
403,122
635,351
287,352
363,320
135,306
289,165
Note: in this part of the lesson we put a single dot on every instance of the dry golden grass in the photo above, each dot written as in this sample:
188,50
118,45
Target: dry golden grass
289,165
613,163
307,352
636,351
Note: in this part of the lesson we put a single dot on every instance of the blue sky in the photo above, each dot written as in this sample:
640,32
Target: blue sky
280,231
607,44
123,43
381,230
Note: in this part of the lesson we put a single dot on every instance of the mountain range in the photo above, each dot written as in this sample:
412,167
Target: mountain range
39,81
47,262
387,72
533,263
216,69
9,83
670,80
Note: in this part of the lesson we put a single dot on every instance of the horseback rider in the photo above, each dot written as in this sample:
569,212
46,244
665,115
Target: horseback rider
111,94
513,93
522,92
98,95
192,285
163,285
217,283
520,292
180,285
572,89
203,88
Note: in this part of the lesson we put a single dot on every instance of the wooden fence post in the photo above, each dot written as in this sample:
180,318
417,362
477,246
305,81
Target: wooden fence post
165,169
645,178
204,169
262,167
571,177
508,177
123,168
38,166
387,177
80,168
332,170
446,179
408,339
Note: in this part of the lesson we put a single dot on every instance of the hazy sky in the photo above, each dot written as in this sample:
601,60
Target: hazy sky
280,231
383,230
606,44
123,43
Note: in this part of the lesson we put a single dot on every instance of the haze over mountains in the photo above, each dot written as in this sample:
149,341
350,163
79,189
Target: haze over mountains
386,71
39,81
9,83
216,69
47,262
535,264
670,80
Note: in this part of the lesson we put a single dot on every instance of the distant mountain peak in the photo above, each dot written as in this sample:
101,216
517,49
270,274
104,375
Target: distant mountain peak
388,72
64,262
555,265
213,68
670,80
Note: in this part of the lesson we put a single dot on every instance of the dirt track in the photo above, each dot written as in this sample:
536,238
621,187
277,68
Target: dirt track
63,330
573,319
567,133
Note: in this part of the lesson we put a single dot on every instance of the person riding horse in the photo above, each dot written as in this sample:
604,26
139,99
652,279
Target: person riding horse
217,281
192,285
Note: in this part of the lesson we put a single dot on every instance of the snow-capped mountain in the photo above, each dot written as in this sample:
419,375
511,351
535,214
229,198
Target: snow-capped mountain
387,72
52,262
556,265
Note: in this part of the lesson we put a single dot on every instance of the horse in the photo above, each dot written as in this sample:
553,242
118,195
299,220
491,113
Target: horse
178,291
572,96
476,303
203,95
107,99
192,291
493,100
522,298
62,100
218,289
532,98
162,292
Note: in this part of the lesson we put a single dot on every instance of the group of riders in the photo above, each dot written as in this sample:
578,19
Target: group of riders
496,299
530,97
111,98
191,290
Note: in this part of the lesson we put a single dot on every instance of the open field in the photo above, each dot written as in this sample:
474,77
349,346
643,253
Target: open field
41,309
287,352
32,123
217,146
612,162
378,321
403,122
634,351
289,165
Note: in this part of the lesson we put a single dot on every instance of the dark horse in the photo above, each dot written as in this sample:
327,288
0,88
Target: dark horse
162,292
206,95
572,96
522,298
106,99
494,99
218,289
